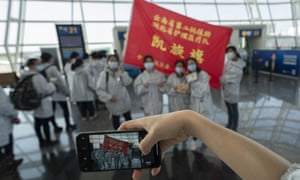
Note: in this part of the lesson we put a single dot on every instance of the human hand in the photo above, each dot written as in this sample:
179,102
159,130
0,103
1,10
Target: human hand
146,85
113,99
160,84
16,121
169,129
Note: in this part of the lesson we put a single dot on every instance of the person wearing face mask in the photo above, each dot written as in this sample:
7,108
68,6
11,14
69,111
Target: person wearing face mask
150,85
111,89
62,91
96,66
177,88
231,78
83,90
43,114
68,71
200,95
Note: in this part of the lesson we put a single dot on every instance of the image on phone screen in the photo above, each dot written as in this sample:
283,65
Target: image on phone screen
105,151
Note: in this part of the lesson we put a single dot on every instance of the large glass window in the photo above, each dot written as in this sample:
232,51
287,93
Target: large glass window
98,11
45,10
3,10
231,12
123,12
202,12
281,11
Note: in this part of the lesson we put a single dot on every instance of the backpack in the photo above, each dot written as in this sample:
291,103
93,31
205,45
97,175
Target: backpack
24,96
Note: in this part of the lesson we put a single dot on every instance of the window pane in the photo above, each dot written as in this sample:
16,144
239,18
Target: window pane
226,12
283,27
98,11
173,7
3,10
202,12
2,31
99,32
123,12
264,11
48,10
281,11
40,33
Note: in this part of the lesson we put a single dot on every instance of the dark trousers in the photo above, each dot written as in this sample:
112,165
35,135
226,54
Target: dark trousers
116,119
7,150
42,124
233,115
86,108
65,109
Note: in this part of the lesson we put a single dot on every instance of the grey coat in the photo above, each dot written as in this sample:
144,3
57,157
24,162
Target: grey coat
7,113
231,78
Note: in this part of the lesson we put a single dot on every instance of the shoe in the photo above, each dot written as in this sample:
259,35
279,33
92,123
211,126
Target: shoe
15,163
58,129
51,143
71,127
92,117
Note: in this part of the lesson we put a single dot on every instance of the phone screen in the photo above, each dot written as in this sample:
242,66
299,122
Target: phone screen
114,150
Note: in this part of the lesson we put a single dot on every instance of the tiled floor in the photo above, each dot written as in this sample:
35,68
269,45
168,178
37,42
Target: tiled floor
269,113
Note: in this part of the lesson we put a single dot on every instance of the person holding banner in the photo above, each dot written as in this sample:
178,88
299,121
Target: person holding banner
231,78
111,89
150,86
177,88
200,96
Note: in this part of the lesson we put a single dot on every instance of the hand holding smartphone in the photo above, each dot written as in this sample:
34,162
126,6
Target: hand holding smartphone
114,150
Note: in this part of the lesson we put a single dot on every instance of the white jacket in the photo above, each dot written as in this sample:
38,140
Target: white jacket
152,96
96,67
62,91
7,113
200,95
114,85
177,100
83,87
69,75
45,88
231,78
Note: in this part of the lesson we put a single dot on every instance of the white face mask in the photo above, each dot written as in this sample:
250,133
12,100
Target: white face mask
149,65
179,70
113,64
230,55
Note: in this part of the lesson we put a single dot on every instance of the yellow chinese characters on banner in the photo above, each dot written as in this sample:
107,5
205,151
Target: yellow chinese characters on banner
178,29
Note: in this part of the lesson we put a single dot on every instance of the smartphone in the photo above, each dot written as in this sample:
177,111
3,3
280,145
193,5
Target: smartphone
114,150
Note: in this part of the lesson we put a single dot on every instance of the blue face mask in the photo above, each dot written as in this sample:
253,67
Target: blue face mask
192,67
230,55
149,65
39,68
113,64
179,70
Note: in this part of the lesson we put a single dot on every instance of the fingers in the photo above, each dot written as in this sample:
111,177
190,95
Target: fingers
132,124
148,142
155,171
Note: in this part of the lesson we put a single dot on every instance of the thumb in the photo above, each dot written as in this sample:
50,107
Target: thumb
147,143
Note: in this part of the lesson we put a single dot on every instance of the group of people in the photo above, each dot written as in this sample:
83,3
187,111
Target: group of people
102,79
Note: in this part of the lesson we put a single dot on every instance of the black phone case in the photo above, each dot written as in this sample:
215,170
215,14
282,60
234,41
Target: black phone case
84,151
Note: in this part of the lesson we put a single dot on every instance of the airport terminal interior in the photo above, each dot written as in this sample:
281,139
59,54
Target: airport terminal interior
269,105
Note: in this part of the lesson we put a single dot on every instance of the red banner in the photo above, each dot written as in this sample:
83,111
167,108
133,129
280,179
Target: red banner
169,36
112,144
